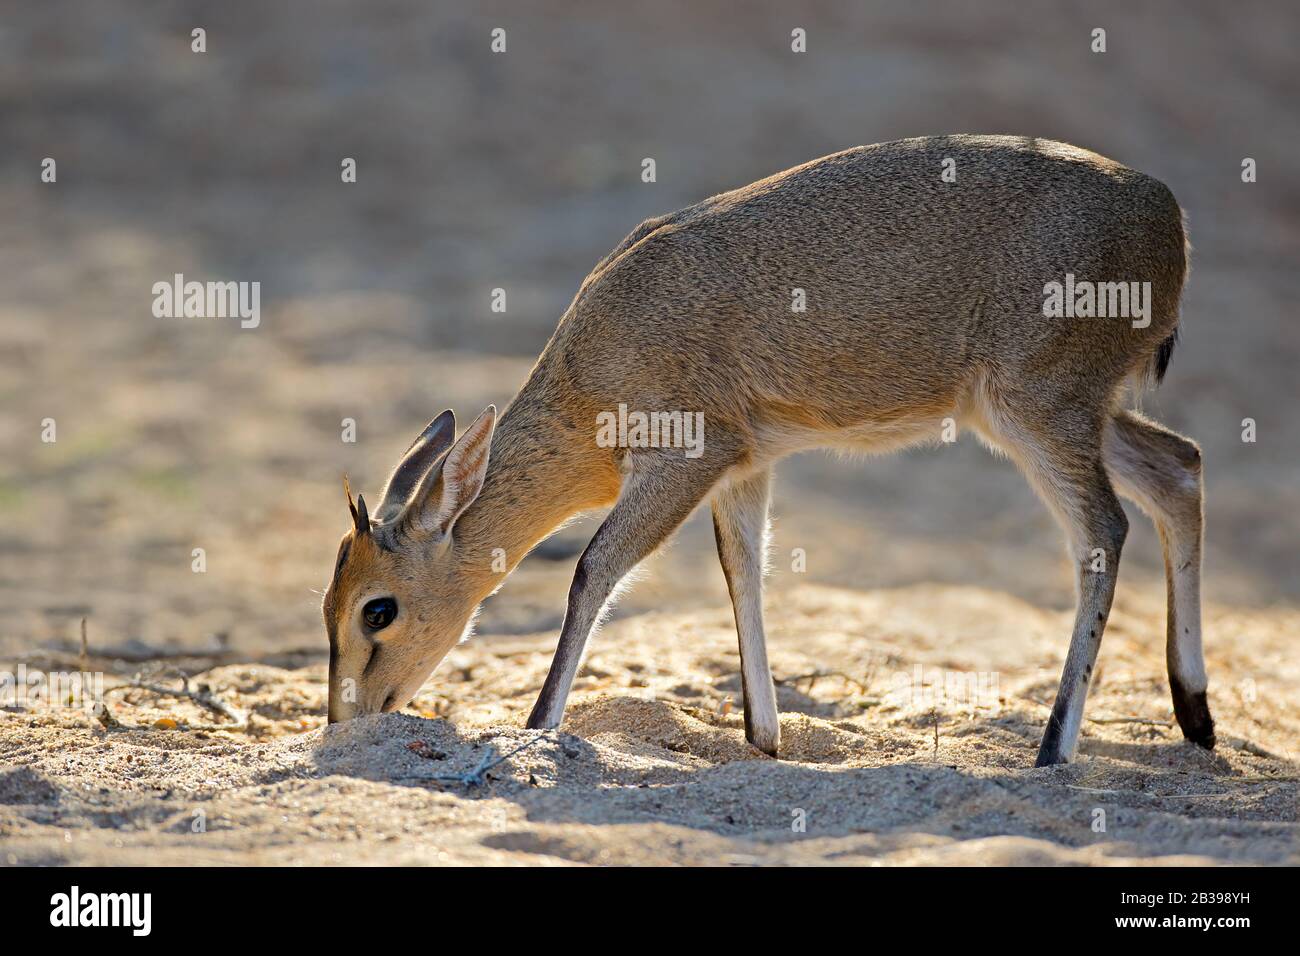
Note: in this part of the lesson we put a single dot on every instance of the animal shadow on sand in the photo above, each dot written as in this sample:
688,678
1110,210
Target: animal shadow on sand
633,761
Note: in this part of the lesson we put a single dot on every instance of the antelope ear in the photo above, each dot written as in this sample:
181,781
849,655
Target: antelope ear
415,464
454,482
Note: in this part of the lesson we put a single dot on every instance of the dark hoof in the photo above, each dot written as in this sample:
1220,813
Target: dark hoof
537,721
1052,758
1193,713
1050,752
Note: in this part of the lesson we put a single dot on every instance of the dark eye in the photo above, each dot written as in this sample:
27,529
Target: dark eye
379,613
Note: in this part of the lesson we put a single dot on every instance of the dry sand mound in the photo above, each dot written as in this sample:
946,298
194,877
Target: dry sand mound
653,767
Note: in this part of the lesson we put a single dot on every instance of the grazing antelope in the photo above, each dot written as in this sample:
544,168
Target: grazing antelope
925,298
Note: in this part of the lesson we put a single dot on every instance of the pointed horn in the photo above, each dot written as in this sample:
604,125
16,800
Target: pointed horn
360,516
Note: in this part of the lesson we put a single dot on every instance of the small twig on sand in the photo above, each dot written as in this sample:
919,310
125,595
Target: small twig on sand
813,677
478,776
85,649
1108,720
1129,720
202,696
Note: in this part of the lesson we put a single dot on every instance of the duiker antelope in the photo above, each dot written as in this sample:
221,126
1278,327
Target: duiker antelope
924,301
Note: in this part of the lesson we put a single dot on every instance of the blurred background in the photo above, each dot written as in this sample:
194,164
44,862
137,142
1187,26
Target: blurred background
520,170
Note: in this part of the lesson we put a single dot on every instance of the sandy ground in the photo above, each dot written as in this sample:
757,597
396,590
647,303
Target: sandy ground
886,758
521,171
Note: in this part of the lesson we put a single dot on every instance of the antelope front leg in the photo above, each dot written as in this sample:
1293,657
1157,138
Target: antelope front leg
740,526
658,495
